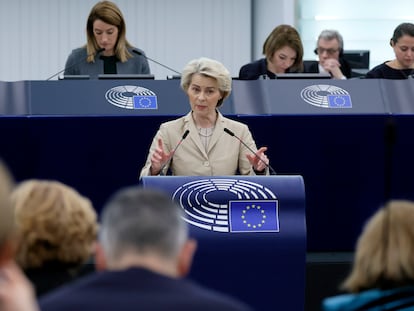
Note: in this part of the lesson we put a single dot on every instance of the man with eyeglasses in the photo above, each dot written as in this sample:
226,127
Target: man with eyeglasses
329,49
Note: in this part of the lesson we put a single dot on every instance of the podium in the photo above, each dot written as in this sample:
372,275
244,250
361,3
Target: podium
251,234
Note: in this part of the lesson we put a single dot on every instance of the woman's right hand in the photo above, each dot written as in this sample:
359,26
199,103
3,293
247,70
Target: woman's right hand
159,158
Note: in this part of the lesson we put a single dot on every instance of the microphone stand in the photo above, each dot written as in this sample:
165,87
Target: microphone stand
77,63
158,63
272,171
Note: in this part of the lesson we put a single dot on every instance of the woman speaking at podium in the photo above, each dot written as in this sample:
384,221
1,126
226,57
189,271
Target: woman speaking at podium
204,142
107,50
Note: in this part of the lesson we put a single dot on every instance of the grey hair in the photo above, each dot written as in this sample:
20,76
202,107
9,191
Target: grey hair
210,68
329,34
142,221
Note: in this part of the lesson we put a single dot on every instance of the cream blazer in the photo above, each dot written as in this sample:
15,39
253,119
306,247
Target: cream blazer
225,154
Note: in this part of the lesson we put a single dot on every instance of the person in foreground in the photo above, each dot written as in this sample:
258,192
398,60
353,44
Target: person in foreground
107,50
330,49
57,229
143,253
402,67
382,276
16,292
199,143
284,53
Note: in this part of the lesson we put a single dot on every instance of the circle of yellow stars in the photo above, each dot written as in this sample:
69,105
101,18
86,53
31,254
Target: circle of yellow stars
253,207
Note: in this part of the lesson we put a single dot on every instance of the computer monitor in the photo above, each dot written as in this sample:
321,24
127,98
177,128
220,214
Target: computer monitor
126,76
303,75
357,59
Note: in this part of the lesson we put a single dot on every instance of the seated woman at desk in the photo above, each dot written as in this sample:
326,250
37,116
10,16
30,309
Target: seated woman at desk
284,53
107,50
402,66
204,142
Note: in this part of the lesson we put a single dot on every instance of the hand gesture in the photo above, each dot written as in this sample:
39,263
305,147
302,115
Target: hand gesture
258,160
159,158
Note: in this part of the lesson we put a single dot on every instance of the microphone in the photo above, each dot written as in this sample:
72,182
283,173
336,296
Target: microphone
165,66
77,63
273,172
174,150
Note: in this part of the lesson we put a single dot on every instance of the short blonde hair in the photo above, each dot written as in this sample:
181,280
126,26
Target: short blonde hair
54,223
209,68
384,256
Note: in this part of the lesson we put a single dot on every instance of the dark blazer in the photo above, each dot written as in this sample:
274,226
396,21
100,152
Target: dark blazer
136,289
313,67
76,64
54,274
255,70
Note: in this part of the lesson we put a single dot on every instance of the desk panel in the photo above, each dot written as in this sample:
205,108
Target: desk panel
340,158
310,97
343,157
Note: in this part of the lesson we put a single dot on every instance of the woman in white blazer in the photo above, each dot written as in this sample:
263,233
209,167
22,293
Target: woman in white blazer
205,148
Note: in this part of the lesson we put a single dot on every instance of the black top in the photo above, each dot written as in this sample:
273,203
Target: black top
55,274
384,71
256,70
109,64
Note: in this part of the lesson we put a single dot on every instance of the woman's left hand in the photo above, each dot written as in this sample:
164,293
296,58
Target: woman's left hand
259,161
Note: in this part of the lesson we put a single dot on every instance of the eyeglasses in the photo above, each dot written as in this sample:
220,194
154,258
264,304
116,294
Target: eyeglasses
329,51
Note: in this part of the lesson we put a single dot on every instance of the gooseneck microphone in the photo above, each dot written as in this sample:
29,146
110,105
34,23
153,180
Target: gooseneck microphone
272,171
77,63
158,63
174,150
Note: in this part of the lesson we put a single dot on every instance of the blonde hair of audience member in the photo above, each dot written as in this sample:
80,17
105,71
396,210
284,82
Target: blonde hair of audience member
16,292
54,223
6,215
282,36
210,68
384,255
109,13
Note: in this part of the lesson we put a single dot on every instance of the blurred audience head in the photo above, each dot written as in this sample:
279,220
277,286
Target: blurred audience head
54,224
6,215
209,68
384,256
142,227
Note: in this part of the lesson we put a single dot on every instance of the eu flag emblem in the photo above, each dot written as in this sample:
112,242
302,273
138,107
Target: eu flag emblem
145,102
254,216
339,101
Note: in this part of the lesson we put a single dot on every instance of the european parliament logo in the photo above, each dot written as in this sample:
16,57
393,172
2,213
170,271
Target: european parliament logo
326,96
228,205
339,101
145,102
254,216
132,97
